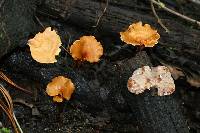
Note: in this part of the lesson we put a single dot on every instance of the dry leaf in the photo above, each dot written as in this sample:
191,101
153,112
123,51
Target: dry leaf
45,46
137,34
60,88
87,49
146,78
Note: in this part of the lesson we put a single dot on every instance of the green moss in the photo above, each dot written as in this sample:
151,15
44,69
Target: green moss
5,130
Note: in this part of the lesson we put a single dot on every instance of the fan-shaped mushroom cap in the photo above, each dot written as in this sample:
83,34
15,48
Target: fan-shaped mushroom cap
60,88
86,49
45,46
137,34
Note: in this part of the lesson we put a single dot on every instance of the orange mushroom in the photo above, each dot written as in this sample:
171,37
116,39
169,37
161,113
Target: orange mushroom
86,49
137,34
45,46
60,88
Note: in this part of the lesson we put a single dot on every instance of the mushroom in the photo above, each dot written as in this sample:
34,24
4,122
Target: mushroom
86,49
137,34
60,88
45,46
147,78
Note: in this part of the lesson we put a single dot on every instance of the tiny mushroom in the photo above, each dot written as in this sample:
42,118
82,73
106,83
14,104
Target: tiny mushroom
60,88
146,78
86,49
137,34
45,46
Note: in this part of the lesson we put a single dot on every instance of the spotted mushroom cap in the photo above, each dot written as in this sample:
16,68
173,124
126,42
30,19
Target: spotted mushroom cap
145,78
137,34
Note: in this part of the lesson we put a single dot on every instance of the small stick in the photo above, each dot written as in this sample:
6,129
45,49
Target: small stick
65,49
98,20
160,4
158,19
39,22
17,123
195,1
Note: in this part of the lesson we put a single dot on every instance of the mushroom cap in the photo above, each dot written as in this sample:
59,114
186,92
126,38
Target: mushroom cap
145,78
137,34
60,88
86,49
45,46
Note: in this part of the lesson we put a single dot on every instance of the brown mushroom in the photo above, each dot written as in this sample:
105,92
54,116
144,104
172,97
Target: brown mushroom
86,49
60,88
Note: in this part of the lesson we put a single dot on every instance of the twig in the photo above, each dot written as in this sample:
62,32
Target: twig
195,1
65,49
39,21
160,4
158,19
98,20
19,127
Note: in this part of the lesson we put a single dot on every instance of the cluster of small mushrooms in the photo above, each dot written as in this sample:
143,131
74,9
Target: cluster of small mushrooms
45,47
